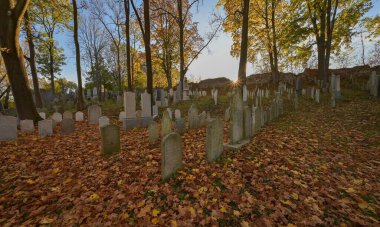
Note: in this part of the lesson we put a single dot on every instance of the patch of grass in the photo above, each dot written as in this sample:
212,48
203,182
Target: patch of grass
369,198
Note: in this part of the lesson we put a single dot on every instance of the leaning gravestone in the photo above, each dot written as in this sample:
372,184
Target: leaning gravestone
154,132
8,128
79,116
94,112
45,128
214,140
166,124
171,155
57,117
193,117
27,126
67,115
103,121
67,126
110,137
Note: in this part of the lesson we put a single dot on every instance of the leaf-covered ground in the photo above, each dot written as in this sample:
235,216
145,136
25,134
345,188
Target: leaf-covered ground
315,166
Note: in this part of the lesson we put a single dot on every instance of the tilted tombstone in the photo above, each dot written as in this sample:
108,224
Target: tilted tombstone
42,115
193,117
45,128
103,121
8,128
214,140
247,122
177,114
171,155
27,126
67,126
79,116
110,139
94,112
154,132
146,107
166,124
57,117
67,115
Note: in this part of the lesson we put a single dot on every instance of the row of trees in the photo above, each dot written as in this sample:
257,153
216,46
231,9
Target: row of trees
115,44
286,33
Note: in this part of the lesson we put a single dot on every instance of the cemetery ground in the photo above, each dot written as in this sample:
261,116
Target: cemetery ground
314,166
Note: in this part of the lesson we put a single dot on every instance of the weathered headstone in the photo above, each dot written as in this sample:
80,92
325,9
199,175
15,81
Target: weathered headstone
214,140
94,112
227,114
154,132
180,126
110,138
247,122
166,124
8,128
42,115
79,116
67,115
27,126
193,117
146,107
171,155
215,96
317,95
57,117
155,110
67,126
103,121
45,128
122,116
202,119
130,104
177,114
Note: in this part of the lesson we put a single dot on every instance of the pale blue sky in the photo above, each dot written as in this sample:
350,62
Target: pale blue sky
214,62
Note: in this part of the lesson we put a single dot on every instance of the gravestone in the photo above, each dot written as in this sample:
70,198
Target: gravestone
122,116
27,126
57,117
245,94
170,112
103,121
68,126
155,110
214,140
202,119
110,139
94,112
237,122
180,126
171,155
215,96
8,128
177,114
154,132
247,122
166,124
79,116
130,104
227,114
138,114
317,95
45,128
146,107
67,115
193,117
42,115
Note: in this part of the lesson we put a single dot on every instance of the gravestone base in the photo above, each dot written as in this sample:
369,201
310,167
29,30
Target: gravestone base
236,147
131,123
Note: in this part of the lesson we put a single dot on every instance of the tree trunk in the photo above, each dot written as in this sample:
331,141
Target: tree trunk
51,68
32,61
181,47
127,33
274,43
242,74
14,58
148,54
80,101
6,99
